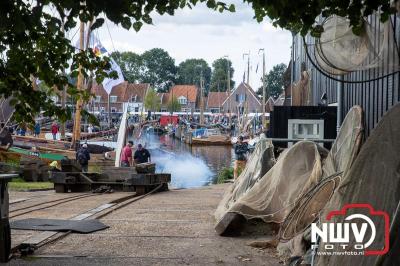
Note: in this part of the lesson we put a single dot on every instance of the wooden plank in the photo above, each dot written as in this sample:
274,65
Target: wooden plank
36,240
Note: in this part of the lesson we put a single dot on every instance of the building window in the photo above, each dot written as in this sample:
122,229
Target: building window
182,100
134,99
95,108
241,97
113,99
136,109
113,109
97,99
305,129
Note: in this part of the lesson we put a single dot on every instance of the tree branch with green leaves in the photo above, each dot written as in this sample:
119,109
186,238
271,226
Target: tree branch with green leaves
32,43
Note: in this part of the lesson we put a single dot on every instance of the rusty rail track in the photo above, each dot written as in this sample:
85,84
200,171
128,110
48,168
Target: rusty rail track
27,248
26,210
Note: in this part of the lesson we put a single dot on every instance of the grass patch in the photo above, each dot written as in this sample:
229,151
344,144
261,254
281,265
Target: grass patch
94,168
225,174
18,184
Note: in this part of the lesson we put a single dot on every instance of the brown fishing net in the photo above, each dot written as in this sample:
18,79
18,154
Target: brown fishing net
295,172
374,178
339,51
339,160
259,163
272,197
347,144
301,91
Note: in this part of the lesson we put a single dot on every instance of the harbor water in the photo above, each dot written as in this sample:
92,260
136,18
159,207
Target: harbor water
190,166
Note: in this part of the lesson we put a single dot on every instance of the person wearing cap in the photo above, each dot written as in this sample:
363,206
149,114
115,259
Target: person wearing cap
83,157
142,155
126,155
241,150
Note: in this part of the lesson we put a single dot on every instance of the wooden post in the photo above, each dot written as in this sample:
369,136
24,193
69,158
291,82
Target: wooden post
76,136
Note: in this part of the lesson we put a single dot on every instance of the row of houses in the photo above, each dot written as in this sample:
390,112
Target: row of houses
132,96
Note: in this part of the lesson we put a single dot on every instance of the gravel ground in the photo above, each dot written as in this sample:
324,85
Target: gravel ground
168,228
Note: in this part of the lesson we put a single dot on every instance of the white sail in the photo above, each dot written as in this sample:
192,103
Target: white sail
121,138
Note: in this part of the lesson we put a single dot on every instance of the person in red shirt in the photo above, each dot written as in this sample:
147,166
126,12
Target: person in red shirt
126,155
54,130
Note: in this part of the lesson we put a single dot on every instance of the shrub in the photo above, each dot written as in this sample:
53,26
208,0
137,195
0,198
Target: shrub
226,173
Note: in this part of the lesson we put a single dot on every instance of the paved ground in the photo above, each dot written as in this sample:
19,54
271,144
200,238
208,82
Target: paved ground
168,228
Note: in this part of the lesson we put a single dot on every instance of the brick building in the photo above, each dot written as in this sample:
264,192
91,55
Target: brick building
123,95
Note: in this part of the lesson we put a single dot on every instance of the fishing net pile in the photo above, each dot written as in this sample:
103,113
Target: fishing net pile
270,196
339,51
294,231
259,163
301,91
294,191
373,178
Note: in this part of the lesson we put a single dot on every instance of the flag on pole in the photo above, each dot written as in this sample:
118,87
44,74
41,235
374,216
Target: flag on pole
100,51
109,83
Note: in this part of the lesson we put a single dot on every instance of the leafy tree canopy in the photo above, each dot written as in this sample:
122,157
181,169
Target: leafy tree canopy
151,100
32,45
174,105
158,69
274,81
190,70
220,73
32,42
300,15
131,65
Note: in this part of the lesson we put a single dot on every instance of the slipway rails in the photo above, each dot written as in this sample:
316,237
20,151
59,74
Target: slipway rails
140,179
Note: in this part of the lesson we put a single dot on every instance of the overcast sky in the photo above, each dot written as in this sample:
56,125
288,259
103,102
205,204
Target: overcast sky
204,33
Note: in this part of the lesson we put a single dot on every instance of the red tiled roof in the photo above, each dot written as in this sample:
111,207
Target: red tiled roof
137,91
164,97
124,91
120,91
188,91
215,99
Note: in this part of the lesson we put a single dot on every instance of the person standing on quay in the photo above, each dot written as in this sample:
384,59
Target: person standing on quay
36,130
126,155
241,150
54,130
83,157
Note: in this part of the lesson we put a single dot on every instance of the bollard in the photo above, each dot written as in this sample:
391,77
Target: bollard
5,233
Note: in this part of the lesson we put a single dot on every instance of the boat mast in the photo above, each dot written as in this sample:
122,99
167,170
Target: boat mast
76,136
63,93
263,92
228,89
201,97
